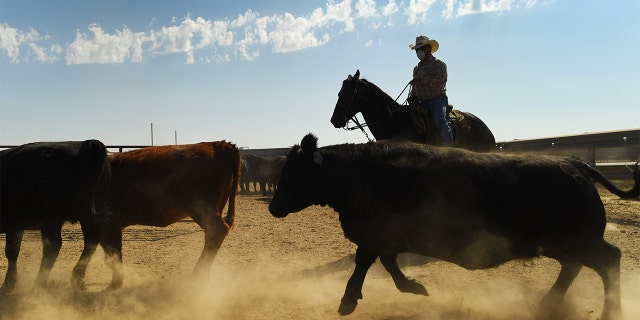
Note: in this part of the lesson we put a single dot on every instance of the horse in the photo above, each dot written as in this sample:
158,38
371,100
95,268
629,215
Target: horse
387,119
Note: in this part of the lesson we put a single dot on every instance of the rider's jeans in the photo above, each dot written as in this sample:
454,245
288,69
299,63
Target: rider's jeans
438,108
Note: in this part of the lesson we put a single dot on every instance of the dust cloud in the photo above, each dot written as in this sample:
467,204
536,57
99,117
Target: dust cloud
297,268
270,291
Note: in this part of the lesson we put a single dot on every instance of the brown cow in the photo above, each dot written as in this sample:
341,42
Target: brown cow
158,186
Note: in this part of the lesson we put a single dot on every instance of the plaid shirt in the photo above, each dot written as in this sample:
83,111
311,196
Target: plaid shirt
433,72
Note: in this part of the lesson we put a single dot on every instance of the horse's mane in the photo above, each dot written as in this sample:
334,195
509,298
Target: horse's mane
389,102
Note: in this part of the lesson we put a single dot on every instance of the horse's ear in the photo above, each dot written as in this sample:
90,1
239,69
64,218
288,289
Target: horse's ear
357,75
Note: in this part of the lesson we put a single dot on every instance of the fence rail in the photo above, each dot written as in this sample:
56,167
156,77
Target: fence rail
613,152
119,147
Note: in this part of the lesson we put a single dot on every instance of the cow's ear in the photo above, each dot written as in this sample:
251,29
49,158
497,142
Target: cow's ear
309,143
357,75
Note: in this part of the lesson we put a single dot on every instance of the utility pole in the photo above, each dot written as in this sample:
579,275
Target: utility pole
152,134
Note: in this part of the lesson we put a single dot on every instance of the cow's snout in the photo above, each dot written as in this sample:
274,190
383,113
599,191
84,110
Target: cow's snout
277,211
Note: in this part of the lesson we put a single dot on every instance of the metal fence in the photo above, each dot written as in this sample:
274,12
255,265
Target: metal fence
614,153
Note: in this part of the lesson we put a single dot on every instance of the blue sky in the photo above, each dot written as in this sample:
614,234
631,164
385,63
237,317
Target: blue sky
262,74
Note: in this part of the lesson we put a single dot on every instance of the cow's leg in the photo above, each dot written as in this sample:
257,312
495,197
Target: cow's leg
214,233
605,260
263,187
568,272
404,284
12,250
91,233
112,245
51,244
353,292
594,253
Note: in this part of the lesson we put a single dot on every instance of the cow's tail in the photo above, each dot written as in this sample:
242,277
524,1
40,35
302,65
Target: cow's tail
596,176
235,180
94,152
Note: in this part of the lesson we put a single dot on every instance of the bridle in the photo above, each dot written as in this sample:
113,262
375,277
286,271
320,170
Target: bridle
349,109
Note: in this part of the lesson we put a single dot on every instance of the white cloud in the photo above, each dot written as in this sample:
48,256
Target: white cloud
242,38
467,7
390,8
119,47
371,43
340,12
366,8
189,36
42,55
286,32
11,39
483,6
291,33
418,9
447,13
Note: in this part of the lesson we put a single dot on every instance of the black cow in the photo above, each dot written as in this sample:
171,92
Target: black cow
244,176
253,165
475,210
263,171
44,185
270,172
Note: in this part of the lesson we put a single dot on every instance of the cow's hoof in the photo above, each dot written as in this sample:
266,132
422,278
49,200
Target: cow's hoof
114,285
7,288
347,307
413,286
78,284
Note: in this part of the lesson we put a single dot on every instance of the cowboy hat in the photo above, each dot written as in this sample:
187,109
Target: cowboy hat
422,41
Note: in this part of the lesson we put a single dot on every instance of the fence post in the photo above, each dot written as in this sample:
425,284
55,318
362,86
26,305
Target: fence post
591,156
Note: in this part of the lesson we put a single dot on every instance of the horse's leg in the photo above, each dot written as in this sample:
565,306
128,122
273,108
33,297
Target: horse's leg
404,284
11,251
353,292
91,232
51,244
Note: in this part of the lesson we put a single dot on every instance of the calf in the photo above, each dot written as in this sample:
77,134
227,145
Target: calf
474,210
158,186
44,185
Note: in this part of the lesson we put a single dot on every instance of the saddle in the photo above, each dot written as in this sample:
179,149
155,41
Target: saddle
456,119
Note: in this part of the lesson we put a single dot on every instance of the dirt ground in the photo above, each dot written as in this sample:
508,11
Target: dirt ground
297,268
